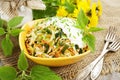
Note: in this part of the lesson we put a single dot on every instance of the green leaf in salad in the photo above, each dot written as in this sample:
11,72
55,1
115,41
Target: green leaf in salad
82,20
2,31
95,29
7,73
15,21
40,72
89,39
22,62
15,32
7,46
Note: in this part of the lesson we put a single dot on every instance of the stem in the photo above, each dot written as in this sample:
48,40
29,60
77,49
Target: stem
8,29
23,73
19,72
24,76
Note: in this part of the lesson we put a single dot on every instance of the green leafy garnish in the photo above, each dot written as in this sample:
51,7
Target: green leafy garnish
22,62
15,32
43,73
95,29
38,72
69,6
82,20
7,73
15,21
7,29
7,46
88,38
2,32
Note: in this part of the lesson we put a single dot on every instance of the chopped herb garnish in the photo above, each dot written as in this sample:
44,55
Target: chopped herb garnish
64,48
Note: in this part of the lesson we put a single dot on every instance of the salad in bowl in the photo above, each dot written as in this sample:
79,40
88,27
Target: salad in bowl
53,41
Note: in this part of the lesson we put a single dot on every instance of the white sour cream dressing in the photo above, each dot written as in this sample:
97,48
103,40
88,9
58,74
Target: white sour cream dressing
68,27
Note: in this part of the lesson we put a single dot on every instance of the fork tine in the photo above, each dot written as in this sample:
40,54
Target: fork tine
111,34
114,42
118,45
107,35
112,29
115,45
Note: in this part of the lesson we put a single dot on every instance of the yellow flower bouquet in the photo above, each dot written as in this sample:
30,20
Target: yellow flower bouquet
71,8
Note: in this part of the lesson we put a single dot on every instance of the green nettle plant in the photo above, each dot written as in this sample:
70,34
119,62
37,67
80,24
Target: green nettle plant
51,9
37,72
9,29
88,37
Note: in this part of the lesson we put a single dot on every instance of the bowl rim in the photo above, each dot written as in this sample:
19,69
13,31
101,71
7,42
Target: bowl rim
23,47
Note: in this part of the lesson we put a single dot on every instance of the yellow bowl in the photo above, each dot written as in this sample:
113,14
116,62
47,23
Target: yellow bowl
53,62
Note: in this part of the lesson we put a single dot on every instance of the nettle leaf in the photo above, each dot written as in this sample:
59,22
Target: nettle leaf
7,73
7,46
40,72
95,29
89,39
2,31
15,32
22,62
55,3
82,20
51,9
1,22
69,6
15,21
49,12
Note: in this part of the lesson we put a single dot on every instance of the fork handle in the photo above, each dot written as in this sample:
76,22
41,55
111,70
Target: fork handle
89,68
98,66
97,69
104,51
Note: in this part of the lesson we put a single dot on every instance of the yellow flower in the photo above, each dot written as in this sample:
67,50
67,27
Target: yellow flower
61,11
99,8
93,21
83,4
75,13
94,18
93,10
88,1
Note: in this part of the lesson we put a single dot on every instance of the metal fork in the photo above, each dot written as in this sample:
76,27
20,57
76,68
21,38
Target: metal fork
110,37
86,71
114,46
